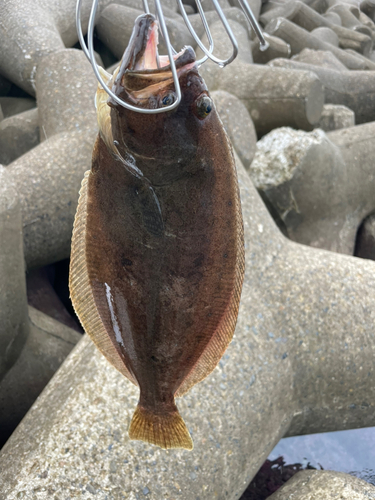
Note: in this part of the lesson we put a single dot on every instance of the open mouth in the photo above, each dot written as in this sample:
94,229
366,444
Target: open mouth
145,53
142,70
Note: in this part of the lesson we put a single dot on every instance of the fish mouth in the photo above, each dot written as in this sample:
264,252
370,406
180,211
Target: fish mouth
143,73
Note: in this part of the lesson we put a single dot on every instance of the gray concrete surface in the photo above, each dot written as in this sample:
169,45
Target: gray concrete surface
354,89
299,38
14,326
321,58
237,123
277,48
18,134
273,98
327,35
301,361
321,185
32,345
47,345
324,485
335,117
47,177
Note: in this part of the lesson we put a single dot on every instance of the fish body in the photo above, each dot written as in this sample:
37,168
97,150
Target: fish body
157,258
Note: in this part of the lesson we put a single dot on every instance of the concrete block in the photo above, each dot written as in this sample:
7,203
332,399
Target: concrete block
324,484
273,98
298,39
277,48
237,123
321,185
305,328
327,35
47,177
18,134
321,58
15,105
351,89
335,117
307,18
65,86
349,20
32,345
14,325
223,49
47,345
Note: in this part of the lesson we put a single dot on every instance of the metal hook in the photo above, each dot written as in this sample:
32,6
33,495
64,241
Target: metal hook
89,52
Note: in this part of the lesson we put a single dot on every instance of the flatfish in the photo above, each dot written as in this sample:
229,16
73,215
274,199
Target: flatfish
157,260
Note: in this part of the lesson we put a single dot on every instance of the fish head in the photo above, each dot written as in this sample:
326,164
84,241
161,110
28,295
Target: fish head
144,79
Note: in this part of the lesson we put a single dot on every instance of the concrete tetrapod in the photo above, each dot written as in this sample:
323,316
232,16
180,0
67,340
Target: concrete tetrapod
32,345
324,484
298,39
46,178
301,361
321,185
43,28
273,98
354,89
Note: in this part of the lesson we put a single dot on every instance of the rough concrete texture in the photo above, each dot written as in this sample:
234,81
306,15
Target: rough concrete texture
327,35
321,185
32,345
324,485
300,362
349,20
223,49
18,134
354,89
255,6
14,326
14,105
47,177
335,117
43,28
237,123
305,17
333,18
65,87
365,244
321,58
277,48
299,38
47,345
273,98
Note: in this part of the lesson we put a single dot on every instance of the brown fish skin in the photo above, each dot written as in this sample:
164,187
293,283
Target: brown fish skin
161,230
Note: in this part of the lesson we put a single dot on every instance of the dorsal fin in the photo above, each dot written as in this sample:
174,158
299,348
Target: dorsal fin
224,334
81,292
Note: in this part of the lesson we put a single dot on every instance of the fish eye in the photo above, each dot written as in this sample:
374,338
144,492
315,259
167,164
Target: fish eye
204,106
168,100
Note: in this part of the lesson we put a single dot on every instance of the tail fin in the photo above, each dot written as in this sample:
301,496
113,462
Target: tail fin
167,430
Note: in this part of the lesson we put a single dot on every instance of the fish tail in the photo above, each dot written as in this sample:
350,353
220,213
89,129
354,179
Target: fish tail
167,430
